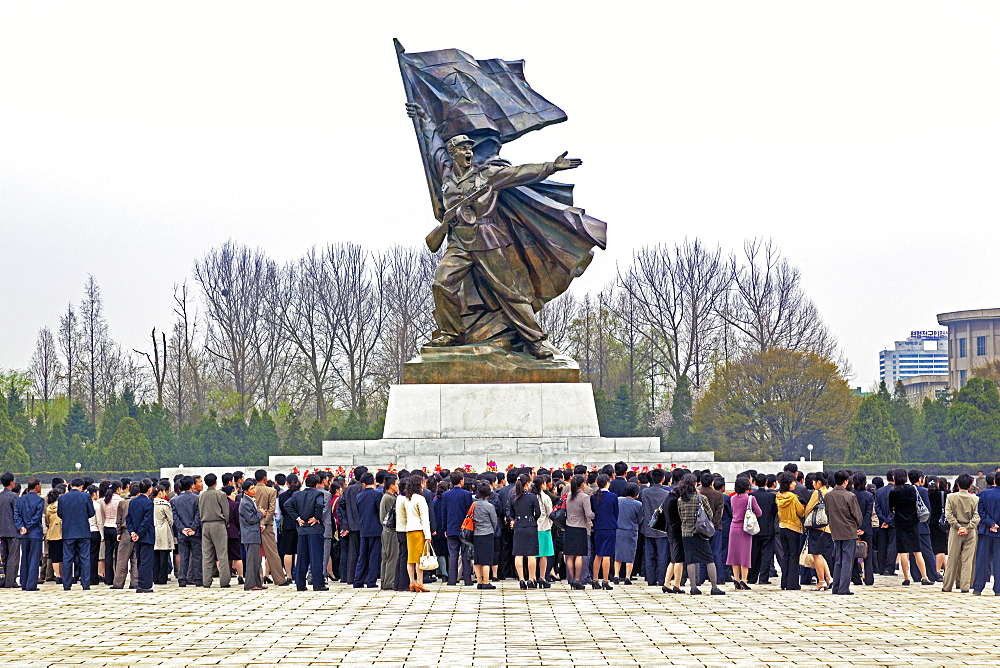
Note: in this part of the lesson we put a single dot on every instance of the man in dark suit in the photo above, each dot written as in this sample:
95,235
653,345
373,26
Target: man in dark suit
618,483
456,506
656,546
762,550
305,507
988,547
10,539
845,520
370,552
350,527
250,536
887,533
187,525
28,511
142,532
924,529
75,508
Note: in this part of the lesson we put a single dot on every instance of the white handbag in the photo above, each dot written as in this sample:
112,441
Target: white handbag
428,560
750,523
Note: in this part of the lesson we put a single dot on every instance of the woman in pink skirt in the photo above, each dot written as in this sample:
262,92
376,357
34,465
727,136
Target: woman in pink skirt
740,542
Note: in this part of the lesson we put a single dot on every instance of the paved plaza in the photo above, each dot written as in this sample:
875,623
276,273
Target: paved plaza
882,625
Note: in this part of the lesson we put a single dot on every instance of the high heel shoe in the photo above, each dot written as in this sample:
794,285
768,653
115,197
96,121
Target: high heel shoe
605,586
595,584
542,584
522,584
420,587
413,587
746,587
531,584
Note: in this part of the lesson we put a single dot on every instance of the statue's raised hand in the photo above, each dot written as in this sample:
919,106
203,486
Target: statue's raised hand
562,162
414,110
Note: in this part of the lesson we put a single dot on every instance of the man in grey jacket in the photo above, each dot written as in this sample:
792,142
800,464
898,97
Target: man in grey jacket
250,528
10,539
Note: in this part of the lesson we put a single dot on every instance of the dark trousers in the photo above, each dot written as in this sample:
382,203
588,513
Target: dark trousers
161,566
369,560
189,548
887,551
506,566
761,559
791,545
457,551
656,552
843,562
95,556
10,556
110,554
720,549
144,556
987,563
76,562
31,560
349,556
310,556
929,561
402,574
869,563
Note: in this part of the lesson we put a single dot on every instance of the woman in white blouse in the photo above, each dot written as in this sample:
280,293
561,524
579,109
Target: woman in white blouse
414,517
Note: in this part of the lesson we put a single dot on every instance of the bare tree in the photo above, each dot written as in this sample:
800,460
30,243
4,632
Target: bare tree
556,319
768,307
675,294
95,341
157,363
69,344
359,310
185,382
409,307
45,369
233,279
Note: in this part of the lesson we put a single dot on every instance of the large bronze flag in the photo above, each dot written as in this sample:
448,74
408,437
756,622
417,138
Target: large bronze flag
492,103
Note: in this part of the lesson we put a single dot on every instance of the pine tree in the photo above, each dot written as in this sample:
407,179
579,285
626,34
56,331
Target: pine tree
129,449
114,410
13,458
77,422
871,436
205,441
316,437
155,425
295,442
973,422
679,437
905,420
262,438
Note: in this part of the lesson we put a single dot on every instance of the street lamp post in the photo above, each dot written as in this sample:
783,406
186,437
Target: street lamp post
810,449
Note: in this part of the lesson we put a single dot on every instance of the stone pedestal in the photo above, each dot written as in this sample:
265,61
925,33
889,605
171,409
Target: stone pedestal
487,364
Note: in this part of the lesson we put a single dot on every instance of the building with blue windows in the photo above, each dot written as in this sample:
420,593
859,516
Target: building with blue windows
923,353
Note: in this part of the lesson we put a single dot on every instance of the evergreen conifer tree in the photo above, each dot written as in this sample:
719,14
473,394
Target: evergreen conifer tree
129,448
871,436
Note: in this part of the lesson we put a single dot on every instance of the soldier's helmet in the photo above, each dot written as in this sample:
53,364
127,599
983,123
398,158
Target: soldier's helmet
457,141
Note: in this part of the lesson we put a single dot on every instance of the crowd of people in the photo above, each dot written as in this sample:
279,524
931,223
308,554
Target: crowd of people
673,530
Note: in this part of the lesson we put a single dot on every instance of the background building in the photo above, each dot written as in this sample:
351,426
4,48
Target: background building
973,339
924,353
927,386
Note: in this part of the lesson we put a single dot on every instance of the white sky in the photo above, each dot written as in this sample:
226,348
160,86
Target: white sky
861,136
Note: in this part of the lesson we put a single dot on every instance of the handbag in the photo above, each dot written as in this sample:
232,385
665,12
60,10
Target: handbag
750,523
658,522
558,514
468,526
389,521
943,520
817,519
861,550
703,524
923,514
428,560
805,559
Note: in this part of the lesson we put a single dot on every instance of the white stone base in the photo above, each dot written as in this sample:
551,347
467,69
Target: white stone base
513,410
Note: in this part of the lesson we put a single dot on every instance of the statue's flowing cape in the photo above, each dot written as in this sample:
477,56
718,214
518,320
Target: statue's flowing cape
492,102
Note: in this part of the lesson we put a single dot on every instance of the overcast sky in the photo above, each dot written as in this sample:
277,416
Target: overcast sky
861,136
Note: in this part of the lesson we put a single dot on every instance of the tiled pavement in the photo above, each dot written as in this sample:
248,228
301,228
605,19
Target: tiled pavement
882,625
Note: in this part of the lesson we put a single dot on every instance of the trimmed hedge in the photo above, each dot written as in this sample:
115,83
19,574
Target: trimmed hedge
47,476
929,468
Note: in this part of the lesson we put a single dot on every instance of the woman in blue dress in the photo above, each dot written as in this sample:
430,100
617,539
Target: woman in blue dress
627,536
605,507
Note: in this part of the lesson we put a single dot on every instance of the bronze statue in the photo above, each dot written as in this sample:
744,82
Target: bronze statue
515,241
